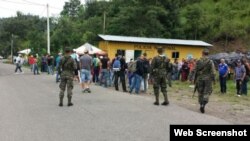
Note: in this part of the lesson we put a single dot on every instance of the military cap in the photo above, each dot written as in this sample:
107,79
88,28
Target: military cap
160,50
205,51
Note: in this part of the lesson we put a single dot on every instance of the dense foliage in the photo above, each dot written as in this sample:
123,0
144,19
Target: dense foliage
209,20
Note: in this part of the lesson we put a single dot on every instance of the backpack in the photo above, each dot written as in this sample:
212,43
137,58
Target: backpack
77,64
132,67
117,65
96,62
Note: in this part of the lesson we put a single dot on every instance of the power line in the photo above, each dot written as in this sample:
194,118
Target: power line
41,4
34,3
7,8
55,7
15,2
30,3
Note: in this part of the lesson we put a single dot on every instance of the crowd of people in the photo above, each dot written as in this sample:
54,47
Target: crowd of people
134,76
102,71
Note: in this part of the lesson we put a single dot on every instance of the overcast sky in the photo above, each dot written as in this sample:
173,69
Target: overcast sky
9,8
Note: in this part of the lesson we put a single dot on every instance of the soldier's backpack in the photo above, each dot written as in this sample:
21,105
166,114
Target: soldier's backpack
162,63
159,66
117,65
132,67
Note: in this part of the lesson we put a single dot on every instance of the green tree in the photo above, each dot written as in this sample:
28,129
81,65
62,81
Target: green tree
72,8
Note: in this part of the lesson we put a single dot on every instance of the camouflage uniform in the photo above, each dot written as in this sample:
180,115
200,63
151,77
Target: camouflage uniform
158,73
169,72
204,72
67,66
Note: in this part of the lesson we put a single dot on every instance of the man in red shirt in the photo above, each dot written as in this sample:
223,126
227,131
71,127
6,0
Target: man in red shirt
31,61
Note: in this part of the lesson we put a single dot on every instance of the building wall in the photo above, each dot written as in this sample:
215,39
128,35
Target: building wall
184,51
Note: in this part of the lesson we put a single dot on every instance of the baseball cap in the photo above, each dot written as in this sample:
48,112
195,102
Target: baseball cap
85,51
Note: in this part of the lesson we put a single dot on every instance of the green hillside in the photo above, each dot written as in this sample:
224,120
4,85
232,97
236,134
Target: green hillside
223,23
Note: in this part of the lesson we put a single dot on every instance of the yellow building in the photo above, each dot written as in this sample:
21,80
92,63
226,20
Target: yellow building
132,47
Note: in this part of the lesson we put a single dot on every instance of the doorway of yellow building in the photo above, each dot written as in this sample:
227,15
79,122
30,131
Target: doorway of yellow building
137,54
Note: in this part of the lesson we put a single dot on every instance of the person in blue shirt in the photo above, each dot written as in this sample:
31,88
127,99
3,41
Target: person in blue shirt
223,71
58,59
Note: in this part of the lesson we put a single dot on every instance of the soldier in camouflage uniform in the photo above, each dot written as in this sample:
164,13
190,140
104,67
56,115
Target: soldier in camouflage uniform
67,69
169,72
158,73
204,73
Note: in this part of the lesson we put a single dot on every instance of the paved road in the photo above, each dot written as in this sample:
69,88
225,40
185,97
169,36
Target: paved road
30,112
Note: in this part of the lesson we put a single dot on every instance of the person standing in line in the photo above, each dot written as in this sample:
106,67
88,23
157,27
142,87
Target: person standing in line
35,66
50,65
146,70
179,68
246,78
223,71
104,71
67,69
119,66
191,65
85,67
204,75
184,71
44,63
239,75
58,58
96,69
75,56
158,74
131,70
31,62
112,72
175,70
136,83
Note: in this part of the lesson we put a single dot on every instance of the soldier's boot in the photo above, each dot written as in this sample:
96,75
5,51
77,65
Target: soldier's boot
202,107
156,99
61,102
166,102
69,101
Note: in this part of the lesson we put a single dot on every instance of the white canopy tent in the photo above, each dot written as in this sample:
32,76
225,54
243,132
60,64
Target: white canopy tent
25,51
92,49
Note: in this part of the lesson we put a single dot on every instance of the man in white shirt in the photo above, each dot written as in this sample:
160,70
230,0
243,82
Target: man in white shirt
19,62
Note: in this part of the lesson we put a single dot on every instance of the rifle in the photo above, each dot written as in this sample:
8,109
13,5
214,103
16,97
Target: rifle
61,67
195,89
195,85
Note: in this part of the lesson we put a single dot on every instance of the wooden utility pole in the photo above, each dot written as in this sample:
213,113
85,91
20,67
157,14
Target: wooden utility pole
104,22
48,31
11,51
